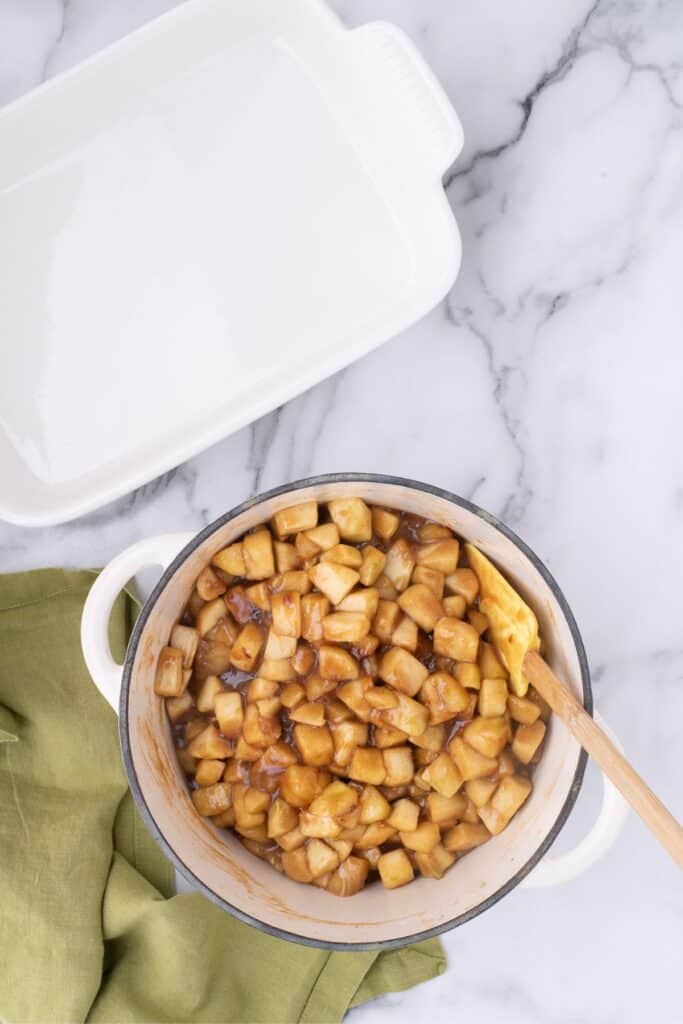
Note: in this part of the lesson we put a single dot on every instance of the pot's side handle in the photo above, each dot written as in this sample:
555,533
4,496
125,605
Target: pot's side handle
594,846
105,672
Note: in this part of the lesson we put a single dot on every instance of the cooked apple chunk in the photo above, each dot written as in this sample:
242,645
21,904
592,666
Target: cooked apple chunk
352,517
294,579
247,647
208,771
454,606
444,696
295,519
314,744
295,864
209,744
421,604
347,736
170,678
440,554
211,800
209,585
404,815
456,639
364,600
367,765
490,665
487,735
279,670
185,639
260,730
343,554
398,668
345,627
278,646
399,564
386,619
470,763
336,663
334,581
230,560
286,612
463,582
210,614
405,635
385,523
373,806
528,739
299,784
314,608
372,565
443,776
322,859
176,707
410,716
493,698
286,557
431,578
353,695
435,863
480,791
398,765
229,712
445,810
465,836
259,560
522,709
395,869
422,839
308,713
505,802
349,878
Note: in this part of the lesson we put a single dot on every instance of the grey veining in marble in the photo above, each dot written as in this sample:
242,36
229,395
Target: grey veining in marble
547,387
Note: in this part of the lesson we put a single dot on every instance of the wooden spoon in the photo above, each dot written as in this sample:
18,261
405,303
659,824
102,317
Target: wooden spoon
514,629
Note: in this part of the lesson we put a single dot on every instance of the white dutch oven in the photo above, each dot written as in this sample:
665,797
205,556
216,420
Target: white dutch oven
216,863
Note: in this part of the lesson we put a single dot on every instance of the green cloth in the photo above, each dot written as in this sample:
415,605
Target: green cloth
89,928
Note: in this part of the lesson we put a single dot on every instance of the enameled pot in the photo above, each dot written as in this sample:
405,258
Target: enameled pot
216,863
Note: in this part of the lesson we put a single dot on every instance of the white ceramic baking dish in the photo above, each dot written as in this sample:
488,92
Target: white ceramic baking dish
216,863
197,224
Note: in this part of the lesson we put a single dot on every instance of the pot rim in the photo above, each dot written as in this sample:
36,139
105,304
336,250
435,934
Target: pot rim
131,651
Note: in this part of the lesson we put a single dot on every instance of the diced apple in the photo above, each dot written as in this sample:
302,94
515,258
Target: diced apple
454,606
345,627
295,865
229,712
230,560
372,565
384,523
443,776
387,618
336,663
211,800
185,639
294,579
528,739
456,639
295,518
299,784
463,582
386,736
465,836
373,806
292,840
308,714
321,858
395,869
522,709
398,668
314,608
468,675
176,707
490,664
398,766
259,561
444,696
208,771
367,765
286,612
292,694
353,518
278,646
444,810
375,835
400,562
364,600
209,744
247,647
511,793
470,763
347,736
487,735
404,815
439,554
431,578
324,537
314,744
405,635
410,716
435,863
349,878
279,670
381,697
422,605
493,697
260,730
422,839
480,791
286,557
259,595
343,554
335,581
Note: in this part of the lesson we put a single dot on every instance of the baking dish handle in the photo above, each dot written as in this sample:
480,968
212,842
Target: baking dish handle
594,846
105,672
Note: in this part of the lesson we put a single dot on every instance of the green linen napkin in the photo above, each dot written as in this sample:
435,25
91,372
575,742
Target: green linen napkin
89,928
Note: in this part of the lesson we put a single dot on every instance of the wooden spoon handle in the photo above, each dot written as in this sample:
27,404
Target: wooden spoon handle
615,766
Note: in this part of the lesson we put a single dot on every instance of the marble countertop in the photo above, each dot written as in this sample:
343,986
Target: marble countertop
547,388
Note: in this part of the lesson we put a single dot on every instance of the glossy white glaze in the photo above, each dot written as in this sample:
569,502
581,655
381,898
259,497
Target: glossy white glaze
546,388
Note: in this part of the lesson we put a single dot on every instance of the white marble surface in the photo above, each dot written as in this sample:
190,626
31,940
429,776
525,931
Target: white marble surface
547,387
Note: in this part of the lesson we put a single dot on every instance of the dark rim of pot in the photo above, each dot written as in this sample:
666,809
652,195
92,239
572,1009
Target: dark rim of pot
186,872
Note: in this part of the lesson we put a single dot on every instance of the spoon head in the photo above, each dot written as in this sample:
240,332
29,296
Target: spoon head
513,625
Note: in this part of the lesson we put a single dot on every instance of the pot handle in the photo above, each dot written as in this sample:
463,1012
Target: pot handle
105,672
594,846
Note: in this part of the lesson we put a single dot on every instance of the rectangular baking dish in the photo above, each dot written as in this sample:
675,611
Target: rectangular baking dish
197,224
